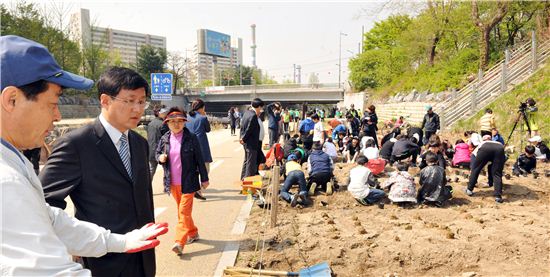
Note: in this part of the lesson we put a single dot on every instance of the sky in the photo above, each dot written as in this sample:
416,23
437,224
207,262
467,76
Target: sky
287,33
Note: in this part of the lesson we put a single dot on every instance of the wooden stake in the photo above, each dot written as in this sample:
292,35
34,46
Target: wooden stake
274,195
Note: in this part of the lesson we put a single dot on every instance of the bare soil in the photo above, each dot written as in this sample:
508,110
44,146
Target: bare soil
469,236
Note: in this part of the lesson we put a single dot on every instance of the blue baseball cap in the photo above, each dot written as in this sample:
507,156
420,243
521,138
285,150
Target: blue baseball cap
292,157
24,61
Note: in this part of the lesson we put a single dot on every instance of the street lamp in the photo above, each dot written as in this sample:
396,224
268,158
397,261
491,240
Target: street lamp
340,60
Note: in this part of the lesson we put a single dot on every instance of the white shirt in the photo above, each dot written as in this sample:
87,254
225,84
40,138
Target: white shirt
262,132
330,149
358,186
364,140
113,133
371,153
38,239
318,131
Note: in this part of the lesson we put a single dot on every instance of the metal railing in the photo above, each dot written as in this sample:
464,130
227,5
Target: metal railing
260,88
518,65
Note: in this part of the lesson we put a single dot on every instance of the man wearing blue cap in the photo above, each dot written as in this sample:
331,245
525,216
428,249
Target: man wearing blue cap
38,239
430,124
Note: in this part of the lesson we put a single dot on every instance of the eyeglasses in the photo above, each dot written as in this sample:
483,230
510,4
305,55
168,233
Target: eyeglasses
132,103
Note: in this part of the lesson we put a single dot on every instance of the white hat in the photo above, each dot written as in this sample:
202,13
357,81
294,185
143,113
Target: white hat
535,139
487,137
475,139
417,137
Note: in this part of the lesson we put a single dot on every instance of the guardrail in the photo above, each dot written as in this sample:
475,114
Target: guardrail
518,65
261,87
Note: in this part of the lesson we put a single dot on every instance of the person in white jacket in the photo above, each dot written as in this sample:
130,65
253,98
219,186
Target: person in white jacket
38,239
361,180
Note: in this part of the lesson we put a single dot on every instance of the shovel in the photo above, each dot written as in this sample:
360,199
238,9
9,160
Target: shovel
318,270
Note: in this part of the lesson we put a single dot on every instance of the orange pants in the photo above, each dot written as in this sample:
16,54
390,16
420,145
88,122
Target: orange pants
186,227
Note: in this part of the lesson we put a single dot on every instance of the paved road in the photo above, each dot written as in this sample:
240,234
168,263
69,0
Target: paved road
214,217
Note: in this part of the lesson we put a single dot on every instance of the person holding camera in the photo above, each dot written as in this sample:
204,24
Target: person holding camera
530,112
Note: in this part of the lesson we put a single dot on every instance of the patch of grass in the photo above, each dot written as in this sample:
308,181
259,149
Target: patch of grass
506,106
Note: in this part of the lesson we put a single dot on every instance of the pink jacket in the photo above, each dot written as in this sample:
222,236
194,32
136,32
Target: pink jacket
462,153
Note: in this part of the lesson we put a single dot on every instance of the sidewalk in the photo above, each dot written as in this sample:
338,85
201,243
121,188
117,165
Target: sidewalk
214,217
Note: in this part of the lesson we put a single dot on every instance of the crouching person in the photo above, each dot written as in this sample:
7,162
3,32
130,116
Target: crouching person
433,189
361,180
320,168
401,185
526,162
294,175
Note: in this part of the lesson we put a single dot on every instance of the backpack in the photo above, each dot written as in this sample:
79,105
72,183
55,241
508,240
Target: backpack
275,154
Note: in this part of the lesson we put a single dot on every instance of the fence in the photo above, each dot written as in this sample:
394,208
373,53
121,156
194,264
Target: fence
516,67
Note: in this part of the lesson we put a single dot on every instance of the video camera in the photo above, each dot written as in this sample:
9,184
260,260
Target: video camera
529,103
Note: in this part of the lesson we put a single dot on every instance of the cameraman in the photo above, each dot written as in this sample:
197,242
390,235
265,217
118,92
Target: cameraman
530,113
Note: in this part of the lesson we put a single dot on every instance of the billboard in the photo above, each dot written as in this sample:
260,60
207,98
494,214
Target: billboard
214,43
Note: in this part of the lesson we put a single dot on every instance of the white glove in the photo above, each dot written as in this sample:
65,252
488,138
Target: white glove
144,238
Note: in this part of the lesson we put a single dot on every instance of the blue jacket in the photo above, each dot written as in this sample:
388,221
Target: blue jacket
198,125
306,125
498,138
272,118
338,129
319,162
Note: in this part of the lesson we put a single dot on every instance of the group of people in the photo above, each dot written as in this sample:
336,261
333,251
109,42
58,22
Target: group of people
101,166
354,140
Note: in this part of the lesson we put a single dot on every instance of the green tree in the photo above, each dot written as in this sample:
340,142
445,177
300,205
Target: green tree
150,60
486,18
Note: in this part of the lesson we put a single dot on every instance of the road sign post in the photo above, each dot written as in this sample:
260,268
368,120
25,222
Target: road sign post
161,86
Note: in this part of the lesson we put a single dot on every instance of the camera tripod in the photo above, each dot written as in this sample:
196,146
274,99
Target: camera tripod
521,115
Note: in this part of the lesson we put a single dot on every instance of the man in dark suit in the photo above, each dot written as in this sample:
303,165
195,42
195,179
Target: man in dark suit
104,168
250,138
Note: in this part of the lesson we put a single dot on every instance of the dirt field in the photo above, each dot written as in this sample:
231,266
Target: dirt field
470,236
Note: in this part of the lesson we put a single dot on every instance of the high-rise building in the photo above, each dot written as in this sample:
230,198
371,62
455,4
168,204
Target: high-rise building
124,43
207,67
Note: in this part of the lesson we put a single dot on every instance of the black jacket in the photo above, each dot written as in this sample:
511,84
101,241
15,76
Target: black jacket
404,146
369,128
416,130
86,166
525,163
386,150
153,135
430,123
250,129
192,162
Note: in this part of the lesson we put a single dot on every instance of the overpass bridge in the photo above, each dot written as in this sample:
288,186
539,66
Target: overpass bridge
219,99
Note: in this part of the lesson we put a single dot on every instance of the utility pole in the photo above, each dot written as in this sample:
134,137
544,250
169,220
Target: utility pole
340,61
294,75
299,69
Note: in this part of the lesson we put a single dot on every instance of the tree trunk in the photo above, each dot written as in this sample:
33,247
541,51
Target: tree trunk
435,40
485,40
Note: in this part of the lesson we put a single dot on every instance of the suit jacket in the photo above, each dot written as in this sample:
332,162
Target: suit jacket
250,129
86,166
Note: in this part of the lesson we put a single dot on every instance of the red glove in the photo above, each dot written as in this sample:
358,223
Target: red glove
144,238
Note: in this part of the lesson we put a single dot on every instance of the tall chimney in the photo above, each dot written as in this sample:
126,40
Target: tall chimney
253,26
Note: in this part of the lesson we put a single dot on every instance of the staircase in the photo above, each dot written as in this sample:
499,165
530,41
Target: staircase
518,66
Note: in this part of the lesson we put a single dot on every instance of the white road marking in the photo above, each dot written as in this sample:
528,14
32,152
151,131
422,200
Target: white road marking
215,164
159,210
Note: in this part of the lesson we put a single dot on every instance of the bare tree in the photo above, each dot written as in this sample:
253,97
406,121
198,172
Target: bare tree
176,65
486,26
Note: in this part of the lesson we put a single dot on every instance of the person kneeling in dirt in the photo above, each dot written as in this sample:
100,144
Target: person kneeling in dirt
361,181
401,185
434,146
294,175
404,148
433,181
526,162
320,168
